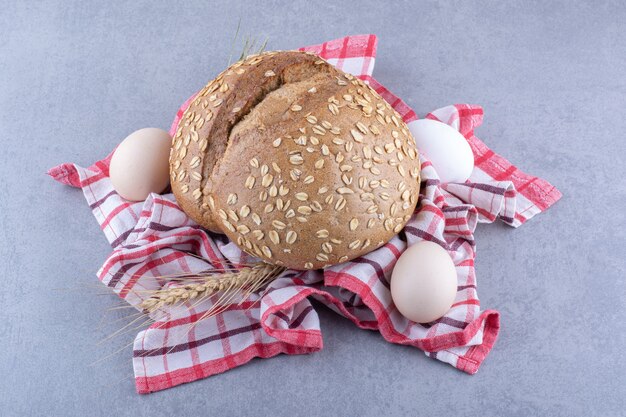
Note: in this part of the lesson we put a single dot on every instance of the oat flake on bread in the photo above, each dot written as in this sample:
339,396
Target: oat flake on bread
299,163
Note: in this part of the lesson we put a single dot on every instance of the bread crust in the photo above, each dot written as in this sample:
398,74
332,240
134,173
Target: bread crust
297,162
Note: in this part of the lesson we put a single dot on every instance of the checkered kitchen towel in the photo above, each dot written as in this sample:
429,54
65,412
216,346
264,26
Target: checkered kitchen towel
155,238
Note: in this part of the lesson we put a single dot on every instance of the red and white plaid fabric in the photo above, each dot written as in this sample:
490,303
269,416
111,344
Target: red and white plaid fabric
155,238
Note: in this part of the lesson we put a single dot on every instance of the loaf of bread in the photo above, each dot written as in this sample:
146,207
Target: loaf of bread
300,164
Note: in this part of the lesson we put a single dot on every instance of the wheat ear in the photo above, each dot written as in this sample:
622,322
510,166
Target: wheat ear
245,281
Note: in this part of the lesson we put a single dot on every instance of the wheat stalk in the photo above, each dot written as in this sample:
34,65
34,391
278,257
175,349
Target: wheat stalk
244,281
248,45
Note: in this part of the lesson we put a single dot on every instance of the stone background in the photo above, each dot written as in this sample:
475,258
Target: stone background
76,77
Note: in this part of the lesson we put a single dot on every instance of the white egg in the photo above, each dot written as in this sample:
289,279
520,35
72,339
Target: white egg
423,282
445,147
140,164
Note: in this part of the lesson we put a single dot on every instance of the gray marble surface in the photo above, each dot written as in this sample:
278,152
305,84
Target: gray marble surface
76,77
